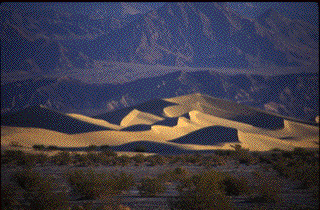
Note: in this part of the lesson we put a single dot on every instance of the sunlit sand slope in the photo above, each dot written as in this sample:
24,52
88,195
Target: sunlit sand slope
177,125
94,121
136,117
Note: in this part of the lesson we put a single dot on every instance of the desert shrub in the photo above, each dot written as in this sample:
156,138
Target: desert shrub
41,158
202,191
91,148
123,181
123,160
150,187
244,156
156,160
268,188
38,147
9,196
30,160
32,181
94,157
174,159
193,159
235,186
13,156
39,191
81,159
140,148
176,174
138,159
109,153
93,185
62,158
299,165
49,201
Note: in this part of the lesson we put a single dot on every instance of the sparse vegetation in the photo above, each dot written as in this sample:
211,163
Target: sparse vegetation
92,185
150,187
62,158
39,191
202,191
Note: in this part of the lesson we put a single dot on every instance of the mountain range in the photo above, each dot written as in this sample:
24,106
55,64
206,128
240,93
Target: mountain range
92,64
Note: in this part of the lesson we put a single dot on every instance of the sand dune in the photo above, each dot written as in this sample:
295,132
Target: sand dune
39,117
181,124
94,121
136,117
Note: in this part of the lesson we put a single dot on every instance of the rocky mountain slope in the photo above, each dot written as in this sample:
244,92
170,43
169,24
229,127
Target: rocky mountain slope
177,34
294,95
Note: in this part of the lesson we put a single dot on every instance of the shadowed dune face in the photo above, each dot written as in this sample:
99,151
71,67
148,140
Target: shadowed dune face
137,128
262,120
158,148
210,136
37,117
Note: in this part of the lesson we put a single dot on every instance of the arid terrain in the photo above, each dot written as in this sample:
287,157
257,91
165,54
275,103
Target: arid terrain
271,160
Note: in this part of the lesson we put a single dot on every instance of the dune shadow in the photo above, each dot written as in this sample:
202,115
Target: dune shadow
212,135
261,120
37,117
151,147
154,107
137,128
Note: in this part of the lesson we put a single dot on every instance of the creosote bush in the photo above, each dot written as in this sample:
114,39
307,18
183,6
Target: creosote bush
62,158
202,191
150,187
92,185
39,191
176,174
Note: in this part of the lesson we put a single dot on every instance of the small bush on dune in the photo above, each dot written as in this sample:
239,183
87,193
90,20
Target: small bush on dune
150,187
38,147
140,148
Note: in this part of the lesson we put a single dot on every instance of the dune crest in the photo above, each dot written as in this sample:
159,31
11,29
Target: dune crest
136,117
